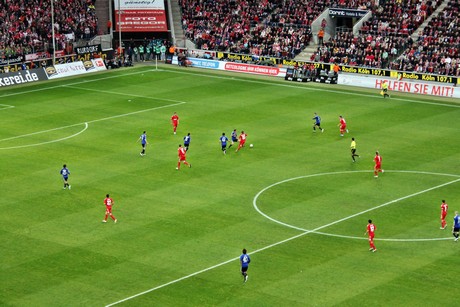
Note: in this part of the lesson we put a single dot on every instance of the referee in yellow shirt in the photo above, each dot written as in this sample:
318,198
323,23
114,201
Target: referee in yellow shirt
353,149
385,89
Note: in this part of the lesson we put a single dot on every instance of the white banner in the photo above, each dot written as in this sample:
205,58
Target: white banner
404,86
235,67
74,68
140,4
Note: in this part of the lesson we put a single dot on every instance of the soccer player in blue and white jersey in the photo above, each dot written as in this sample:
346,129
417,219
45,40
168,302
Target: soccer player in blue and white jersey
245,260
187,140
223,141
234,137
317,123
456,226
65,176
144,142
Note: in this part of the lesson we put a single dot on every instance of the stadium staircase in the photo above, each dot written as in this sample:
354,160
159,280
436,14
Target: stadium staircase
307,52
177,25
102,11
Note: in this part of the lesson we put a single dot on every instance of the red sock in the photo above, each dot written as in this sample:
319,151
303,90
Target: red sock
113,218
178,164
106,217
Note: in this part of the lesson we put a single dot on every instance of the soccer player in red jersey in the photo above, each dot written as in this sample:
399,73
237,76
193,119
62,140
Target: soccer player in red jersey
343,125
175,121
242,139
444,208
181,151
370,231
108,202
378,164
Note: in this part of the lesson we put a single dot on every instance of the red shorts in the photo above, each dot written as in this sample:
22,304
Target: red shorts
378,166
182,158
108,209
242,143
371,237
443,216
343,127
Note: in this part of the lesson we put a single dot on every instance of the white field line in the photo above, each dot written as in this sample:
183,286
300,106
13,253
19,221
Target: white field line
140,111
5,106
312,88
305,232
70,84
380,239
230,79
48,142
119,93
346,172
39,132
88,122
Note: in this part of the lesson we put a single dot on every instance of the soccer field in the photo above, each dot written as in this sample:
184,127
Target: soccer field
295,201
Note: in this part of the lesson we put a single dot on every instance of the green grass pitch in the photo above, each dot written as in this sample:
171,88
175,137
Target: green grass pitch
295,200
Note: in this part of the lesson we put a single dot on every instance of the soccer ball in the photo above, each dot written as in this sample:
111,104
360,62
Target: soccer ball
251,145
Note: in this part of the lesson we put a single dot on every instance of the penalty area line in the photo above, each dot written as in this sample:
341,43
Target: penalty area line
121,94
5,106
86,125
44,143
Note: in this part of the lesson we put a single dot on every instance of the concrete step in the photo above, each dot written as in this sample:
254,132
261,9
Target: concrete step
102,11
177,23
307,52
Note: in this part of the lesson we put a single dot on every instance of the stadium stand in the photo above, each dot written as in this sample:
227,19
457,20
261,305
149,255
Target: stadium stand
25,25
282,29
221,24
277,28
382,38
437,48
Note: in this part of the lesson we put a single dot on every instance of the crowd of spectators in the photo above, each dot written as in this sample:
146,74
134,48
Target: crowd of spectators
25,25
382,38
372,50
400,17
437,47
279,28
220,24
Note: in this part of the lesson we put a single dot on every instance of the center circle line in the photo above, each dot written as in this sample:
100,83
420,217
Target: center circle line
306,231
